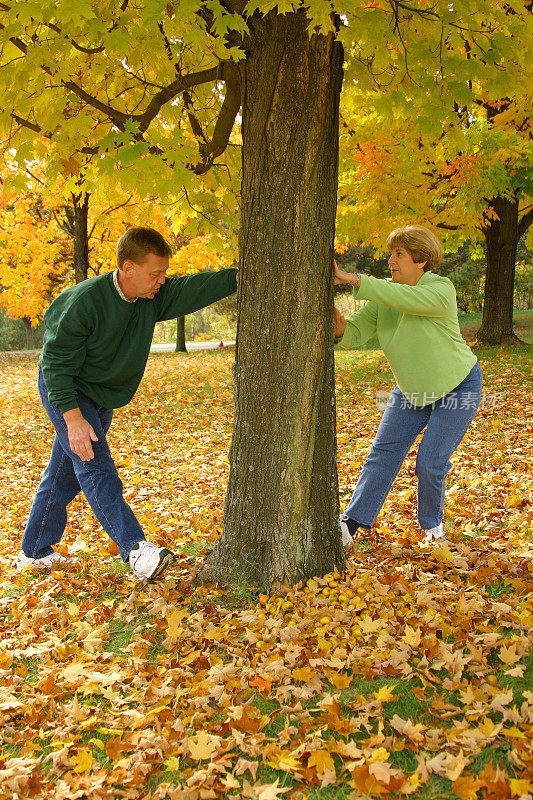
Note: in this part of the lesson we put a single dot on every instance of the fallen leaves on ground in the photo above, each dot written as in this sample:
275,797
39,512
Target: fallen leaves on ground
407,675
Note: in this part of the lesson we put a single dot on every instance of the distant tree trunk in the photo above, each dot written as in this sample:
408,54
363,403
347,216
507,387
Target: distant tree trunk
501,237
75,224
281,515
180,335
28,332
81,236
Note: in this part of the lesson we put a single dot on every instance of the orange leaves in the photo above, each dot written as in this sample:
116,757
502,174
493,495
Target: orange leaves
411,657
174,619
247,719
82,759
509,654
340,680
366,783
262,685
203,746
71,166
305,674
406,728
324,765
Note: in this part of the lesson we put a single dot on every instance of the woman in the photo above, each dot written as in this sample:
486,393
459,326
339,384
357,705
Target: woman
414,317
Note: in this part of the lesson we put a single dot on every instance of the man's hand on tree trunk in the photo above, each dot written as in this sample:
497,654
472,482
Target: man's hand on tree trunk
80,434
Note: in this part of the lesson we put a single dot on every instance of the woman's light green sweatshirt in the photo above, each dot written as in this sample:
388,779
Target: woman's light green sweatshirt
417,329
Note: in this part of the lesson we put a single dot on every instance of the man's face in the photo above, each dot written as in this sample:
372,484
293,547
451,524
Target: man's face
147,277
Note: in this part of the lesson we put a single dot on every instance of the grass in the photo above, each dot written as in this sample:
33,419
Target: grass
522,321
498,589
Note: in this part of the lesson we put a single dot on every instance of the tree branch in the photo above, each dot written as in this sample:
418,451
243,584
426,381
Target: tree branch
447,227
225,121
109,211
75,45
25,123
525,222
171,91
226,71
235,6
119,118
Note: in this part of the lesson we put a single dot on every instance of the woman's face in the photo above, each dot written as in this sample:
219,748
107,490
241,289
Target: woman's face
403,268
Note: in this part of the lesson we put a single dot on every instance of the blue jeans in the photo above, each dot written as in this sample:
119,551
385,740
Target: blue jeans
66,475
447,421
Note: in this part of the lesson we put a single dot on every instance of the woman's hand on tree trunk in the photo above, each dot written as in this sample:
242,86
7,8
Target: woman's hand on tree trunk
340,276
340,323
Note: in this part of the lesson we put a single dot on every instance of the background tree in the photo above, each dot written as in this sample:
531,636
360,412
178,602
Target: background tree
159,85
49,241
34,253
473,180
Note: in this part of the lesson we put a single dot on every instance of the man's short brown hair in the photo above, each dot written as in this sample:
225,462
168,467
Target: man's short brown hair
138,242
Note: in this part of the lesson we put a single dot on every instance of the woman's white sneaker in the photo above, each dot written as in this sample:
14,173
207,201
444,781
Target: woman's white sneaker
436,535
51,561
147,560
348,540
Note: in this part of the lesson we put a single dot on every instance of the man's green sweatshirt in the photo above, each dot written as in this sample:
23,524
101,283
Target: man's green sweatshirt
98,343
417,329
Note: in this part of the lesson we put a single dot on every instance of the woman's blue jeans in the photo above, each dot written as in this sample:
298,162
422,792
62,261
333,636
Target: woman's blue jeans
447,421
66,475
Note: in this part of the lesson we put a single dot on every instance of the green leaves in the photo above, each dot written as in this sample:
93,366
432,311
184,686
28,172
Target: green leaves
406,71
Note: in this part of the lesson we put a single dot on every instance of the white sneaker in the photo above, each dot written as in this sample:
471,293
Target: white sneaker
147,560
347,539
436,535
51,561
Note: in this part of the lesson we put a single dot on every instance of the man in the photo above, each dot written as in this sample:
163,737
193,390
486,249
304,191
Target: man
96,344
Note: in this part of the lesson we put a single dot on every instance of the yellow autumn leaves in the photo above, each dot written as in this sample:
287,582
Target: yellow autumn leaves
403,676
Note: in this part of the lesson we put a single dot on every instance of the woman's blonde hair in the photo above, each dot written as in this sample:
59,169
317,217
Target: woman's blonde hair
420,243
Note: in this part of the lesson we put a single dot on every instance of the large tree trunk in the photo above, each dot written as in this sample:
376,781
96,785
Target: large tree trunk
180,336
281,514
501,237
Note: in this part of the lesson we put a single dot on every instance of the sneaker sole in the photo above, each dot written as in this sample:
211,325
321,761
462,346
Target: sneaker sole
349,545
166,559
37,567
441,540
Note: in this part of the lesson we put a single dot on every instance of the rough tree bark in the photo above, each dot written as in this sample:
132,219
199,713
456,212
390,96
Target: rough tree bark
501,237
281,513
180,335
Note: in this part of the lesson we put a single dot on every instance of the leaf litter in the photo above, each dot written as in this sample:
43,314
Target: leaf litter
407,675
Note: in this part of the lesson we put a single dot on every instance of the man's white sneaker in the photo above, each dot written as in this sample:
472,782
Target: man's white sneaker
51,561
436,535
147,560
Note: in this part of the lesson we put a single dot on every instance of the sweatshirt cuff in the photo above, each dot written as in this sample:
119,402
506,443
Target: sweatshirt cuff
66,405
357,290
233,279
